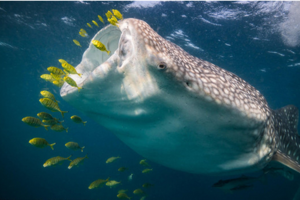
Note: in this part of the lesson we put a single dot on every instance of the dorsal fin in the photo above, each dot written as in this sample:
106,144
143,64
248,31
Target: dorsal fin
286,123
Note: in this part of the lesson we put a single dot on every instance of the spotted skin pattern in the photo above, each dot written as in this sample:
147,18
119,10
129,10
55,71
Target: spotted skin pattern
279,127
245,136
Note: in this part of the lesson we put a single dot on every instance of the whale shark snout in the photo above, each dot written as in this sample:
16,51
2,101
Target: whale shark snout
179,110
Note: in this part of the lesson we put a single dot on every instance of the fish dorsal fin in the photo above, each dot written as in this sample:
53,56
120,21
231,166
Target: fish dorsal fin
285,124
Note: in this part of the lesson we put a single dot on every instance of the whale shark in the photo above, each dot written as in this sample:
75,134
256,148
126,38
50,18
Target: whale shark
178,110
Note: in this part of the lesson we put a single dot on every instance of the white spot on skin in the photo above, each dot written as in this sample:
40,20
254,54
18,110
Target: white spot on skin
213,80
216,91
227,101
226,91
218,101
204,80
206,90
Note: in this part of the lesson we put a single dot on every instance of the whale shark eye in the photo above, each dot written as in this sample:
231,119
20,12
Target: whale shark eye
162,65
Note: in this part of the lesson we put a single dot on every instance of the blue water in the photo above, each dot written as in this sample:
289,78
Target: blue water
257,41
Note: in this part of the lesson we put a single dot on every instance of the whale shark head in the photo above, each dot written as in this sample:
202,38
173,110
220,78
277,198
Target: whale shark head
171,107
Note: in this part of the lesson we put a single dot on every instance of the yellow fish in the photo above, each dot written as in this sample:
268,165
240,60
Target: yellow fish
58,128
147,185
55,160
112,159
123,196
89,25
100,46
112,183
55,70
47,94
58,83
146,170
83,33
74,146
77,120
113,21
97,183
47,77
94,22
51,122
144,163
77,43
139,192
101,19
56,77
70,69
122,169
108,14
71,82
76,162
44,115
62,61
122,191
117,14
41,143
51,105
35,122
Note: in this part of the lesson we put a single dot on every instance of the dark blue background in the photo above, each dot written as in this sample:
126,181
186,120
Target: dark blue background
34,47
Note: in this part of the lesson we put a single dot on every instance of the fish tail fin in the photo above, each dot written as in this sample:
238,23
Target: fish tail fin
84,123
288,140
46,127
68,158
82,148
79,88
86,156
51,145
108,52
67,129
107,179
63,112
79,75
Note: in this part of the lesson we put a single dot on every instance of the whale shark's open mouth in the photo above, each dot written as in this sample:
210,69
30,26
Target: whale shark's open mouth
121,68
170,107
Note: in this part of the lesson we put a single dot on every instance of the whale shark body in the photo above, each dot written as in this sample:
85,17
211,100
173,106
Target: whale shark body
178,110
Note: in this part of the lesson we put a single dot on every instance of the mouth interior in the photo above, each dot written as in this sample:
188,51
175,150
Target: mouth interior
93,57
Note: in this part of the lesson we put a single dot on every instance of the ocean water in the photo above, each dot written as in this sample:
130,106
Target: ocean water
258,41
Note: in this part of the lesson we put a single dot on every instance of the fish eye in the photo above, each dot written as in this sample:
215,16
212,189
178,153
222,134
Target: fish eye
162,65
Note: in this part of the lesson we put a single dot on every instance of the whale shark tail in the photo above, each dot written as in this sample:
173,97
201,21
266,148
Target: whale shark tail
286,122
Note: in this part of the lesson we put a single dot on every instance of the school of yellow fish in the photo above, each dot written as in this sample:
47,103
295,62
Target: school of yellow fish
122,193
58,77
